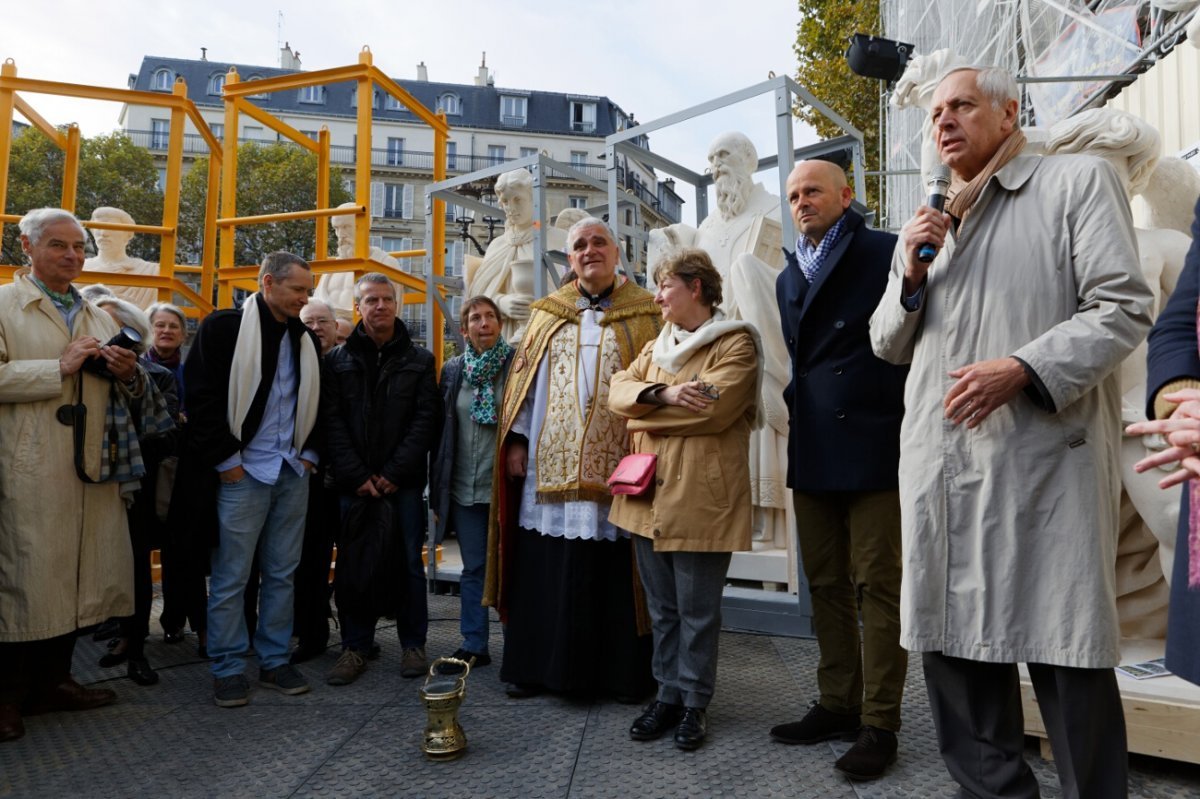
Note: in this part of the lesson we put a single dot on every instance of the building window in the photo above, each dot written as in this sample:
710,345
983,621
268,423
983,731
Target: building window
256,96
451,155
454,258
312,94
579,158
526,151
160,133
395,151
162,179
397,201
312,134
391,245
162,80
450,104
577,201
216,83
252,133
495,154
583,117
513,110
218,130
392,104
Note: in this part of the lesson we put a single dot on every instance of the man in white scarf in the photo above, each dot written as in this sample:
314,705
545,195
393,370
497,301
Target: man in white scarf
253,388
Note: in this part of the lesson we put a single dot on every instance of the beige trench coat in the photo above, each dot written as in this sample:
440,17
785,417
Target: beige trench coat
1009,531
65,556
701,500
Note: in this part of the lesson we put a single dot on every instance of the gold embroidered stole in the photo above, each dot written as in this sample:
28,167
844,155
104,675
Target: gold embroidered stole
578,448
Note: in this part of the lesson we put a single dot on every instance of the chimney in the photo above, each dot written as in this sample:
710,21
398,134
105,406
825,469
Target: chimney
422,72
203,53
288,59
481,78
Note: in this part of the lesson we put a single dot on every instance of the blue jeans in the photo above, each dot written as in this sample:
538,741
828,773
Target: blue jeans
470,522
412,617
270,517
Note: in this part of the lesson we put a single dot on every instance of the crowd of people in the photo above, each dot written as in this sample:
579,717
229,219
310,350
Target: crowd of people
953,465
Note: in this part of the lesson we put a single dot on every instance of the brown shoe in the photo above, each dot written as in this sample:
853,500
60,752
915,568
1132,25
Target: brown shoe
70,695
348,668
413,662
11,726
871,754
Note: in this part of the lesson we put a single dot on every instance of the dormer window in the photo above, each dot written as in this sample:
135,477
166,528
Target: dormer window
312,94
354,98
256,96
513,110
392,104
450,104
216,83
583,117
162,80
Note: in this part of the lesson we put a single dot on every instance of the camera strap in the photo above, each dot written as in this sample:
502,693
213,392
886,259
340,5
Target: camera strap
75,416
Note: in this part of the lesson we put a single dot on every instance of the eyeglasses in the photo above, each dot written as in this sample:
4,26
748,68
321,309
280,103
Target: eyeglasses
707,389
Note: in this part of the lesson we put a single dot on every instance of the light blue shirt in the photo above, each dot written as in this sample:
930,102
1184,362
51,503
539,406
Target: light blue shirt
264,455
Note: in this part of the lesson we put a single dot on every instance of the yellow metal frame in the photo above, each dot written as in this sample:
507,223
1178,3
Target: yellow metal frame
366,75
182,109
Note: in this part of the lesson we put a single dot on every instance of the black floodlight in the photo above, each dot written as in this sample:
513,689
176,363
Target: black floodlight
874,57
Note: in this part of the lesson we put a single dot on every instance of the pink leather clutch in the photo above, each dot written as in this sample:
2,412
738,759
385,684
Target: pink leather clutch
634,474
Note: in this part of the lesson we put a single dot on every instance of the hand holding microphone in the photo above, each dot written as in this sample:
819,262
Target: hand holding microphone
925,233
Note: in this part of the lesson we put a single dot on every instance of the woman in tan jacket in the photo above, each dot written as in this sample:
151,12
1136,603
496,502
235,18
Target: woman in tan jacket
692,398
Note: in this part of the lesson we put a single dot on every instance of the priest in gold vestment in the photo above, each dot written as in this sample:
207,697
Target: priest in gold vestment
561,576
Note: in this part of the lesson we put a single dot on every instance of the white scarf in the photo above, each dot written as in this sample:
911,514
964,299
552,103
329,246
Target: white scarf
246,372
674,346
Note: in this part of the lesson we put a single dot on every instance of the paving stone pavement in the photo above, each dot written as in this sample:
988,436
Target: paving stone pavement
362,740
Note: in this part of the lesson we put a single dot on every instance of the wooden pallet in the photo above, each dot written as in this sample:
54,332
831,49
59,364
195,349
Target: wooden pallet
1162,714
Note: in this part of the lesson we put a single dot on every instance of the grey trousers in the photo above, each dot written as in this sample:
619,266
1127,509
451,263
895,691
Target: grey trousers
977,713
683,596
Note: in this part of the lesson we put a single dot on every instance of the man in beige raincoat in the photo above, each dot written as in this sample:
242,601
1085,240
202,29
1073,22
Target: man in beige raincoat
65,558
1009,446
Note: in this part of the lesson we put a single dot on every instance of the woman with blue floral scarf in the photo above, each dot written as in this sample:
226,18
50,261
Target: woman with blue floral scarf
472,386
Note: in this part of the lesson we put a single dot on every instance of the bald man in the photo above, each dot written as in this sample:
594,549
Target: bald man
845,407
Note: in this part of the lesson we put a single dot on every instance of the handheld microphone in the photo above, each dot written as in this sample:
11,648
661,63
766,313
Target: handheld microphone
939,182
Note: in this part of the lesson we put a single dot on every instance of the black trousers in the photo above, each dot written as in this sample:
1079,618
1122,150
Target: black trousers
977,713
312,614
29,666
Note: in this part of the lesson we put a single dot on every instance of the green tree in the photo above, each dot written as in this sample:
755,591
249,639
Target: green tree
112,171
821,41
273,178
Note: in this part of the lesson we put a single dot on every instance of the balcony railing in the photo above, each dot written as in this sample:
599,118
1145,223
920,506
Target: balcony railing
344,155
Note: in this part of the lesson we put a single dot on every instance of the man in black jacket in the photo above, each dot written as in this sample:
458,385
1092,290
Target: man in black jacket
381,411
845,407
253,389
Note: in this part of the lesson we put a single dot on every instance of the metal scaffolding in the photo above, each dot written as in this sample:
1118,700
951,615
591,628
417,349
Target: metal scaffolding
1068,55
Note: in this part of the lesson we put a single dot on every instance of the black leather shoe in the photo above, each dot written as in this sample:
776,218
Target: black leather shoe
657,718
693,726
817,725
870,756
174,636
521,690
11,726
140,672
306,651
117,653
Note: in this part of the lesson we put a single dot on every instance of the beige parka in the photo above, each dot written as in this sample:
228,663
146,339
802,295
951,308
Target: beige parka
701,498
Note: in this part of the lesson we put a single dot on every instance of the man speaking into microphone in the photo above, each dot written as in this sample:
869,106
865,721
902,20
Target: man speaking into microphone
1008,449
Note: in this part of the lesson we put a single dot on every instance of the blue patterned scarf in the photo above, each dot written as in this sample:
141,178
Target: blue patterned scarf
480,370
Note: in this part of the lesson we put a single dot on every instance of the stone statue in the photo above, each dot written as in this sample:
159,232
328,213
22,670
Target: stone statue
569,216
743,238
506,273
1148,514
111,257
337,288
1170,195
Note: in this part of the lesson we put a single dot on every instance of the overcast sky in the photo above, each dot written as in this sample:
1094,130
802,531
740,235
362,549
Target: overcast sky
652,58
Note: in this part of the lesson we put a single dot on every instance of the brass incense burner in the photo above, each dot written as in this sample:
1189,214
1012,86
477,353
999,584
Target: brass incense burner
442,693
